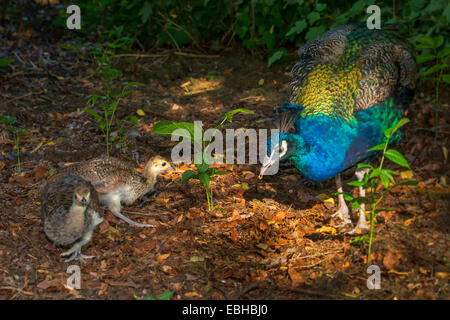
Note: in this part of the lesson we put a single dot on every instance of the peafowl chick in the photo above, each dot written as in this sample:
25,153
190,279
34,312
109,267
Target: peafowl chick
347,88
118,183
70,211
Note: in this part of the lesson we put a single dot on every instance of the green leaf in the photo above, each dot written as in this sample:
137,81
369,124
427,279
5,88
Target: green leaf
315,32
438,41
146,11
188,175
428,42
320,6
396,157
356,183
446,78
433,69
400,124
377,147
384,177
374,173
163,296
443,53
313,17
5,62
359,240
166,295
229,115
348,196
408,182
167,128
425,57
215,171
202,167
94,114
363,165
134,120
204,179
279,55
298,28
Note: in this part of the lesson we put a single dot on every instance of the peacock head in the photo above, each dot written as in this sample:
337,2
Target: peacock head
278,151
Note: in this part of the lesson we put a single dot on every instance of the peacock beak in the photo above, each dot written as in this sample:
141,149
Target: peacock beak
267,163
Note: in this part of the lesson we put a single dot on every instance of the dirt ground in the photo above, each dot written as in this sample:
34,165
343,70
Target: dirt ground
266,239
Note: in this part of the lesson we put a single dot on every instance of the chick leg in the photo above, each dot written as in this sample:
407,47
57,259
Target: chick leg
113,205
131,222
75,251
343,209
361,226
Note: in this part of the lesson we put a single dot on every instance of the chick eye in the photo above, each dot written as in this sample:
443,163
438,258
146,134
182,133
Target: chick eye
163,164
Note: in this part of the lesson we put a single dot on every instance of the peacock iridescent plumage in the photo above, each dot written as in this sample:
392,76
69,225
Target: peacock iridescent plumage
347,88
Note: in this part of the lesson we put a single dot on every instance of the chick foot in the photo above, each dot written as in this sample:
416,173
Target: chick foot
75,254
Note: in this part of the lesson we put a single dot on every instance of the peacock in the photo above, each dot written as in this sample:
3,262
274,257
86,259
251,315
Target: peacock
347,88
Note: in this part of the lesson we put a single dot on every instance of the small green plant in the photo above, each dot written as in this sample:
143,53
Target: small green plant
121,130
204,173
16,133
374,177
433,51
109,99
436,56
109,102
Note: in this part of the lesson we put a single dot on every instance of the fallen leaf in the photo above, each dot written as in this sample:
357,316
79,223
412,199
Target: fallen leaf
140,112
196,259
48,283
162,257
296,277
392,259
328,230
40,171
407,174
408,222
234,235
261,81
193,294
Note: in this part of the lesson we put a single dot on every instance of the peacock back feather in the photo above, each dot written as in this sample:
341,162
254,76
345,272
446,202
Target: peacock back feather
348,87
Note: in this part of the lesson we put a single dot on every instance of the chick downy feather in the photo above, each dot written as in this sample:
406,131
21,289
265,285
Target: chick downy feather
117,182
70,211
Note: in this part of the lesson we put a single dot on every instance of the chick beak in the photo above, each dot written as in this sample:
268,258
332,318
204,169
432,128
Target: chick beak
170,168
84,202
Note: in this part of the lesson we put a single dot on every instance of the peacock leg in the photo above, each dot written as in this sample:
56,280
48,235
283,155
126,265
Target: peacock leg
361,226
343,209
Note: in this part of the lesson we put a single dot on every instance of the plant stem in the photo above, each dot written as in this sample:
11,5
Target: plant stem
372,212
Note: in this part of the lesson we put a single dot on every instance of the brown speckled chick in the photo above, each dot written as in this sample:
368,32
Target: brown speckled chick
70,211
118,183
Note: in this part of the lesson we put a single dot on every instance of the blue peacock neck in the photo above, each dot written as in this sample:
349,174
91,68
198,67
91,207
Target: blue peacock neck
318,148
